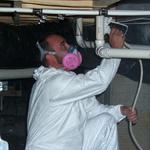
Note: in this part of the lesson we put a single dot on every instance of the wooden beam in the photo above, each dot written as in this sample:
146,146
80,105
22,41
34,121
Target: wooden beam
20,19
71,3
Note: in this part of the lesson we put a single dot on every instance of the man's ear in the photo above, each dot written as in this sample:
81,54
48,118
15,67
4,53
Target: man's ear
48,59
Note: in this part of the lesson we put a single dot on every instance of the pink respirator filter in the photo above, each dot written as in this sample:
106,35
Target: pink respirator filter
71,61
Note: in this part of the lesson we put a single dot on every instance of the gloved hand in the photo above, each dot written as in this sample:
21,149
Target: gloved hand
116,38
129,113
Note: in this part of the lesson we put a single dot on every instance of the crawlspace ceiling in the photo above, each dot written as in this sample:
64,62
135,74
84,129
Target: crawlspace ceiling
15,18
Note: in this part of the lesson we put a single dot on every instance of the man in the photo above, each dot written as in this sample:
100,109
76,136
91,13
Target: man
63,111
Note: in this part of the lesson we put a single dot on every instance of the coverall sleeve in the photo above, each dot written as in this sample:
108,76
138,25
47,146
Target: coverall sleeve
94,108
71,87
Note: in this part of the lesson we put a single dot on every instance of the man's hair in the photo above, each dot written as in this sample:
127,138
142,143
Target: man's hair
45,45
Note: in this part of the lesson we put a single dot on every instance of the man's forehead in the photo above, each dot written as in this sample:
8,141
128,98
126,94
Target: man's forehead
55,39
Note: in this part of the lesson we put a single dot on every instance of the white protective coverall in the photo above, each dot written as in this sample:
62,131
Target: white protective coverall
64,113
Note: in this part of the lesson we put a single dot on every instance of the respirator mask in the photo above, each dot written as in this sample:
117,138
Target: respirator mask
71,60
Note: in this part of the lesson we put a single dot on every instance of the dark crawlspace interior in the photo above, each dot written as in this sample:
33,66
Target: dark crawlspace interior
18,46
13,112
18,50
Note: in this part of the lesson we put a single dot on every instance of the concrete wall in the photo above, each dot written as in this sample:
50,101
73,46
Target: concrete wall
123,92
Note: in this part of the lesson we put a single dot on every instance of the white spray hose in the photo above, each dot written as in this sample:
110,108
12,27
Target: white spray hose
135,101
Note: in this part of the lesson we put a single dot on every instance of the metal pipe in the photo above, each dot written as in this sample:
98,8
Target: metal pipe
99,31
79,35
79,12
79,27
17,10
128,13
135,46
50,11
123,53
16,73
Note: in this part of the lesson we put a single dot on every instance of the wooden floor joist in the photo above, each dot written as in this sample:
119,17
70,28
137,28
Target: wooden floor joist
50,4
68,3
